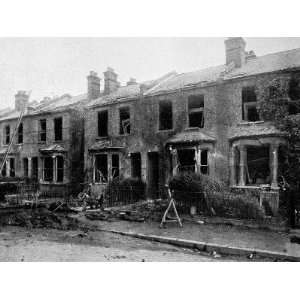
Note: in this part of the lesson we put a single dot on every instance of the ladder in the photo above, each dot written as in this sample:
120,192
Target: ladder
12,139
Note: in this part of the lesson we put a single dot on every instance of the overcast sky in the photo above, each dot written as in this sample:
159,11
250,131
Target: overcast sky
54,66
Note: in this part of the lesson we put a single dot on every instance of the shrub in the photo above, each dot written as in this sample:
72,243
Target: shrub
232,205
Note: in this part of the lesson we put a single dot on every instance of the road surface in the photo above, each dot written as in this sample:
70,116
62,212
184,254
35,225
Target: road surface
21,244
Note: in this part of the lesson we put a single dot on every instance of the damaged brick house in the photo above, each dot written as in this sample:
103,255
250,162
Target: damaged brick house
48,145
204,121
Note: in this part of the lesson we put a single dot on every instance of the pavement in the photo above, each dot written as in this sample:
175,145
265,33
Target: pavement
221,238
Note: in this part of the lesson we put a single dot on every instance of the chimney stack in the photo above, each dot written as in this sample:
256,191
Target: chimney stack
21,100
110,81
131,81
93,85
235,51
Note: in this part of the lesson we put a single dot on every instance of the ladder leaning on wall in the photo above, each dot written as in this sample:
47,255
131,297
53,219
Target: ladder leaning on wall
12,139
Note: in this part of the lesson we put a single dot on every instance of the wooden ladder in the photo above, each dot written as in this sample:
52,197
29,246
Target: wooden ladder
12,139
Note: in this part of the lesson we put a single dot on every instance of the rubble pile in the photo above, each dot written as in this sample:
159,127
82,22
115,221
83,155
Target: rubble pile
151,210
38,218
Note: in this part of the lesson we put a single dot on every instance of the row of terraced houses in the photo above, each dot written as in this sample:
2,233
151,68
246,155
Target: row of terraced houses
204,121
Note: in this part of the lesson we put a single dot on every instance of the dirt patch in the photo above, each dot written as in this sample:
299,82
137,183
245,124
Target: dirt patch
40,217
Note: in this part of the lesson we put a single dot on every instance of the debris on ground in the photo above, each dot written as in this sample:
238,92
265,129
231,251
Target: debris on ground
150,210
40,217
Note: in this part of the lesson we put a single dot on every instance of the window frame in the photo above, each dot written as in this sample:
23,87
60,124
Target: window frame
42,131
98,123
6,135
195,110
20,134
55,120
249,104
159,113
129,125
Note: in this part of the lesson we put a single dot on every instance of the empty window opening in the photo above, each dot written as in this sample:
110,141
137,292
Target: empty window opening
136,165
294,97
249,101
58,130
25,167
35,167
59,169
115,166
124,120
6,135
153,175
257,168
20,134
186,160
165,115
48,169
43,130
3,172
12,171
103,123
101,168
196,111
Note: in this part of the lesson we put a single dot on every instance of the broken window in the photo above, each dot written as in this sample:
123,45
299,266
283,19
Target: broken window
136,165
101,168
58,130
124,120
294,97
186,160
204,162
59,169
20,134
115,165
103,123
258,165
25,167
196,111
12,171
3,172
6,135
43,130
165,115
48,169
249,102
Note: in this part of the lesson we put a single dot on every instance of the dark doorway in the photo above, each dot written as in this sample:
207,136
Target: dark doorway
186,160
153,175
136,165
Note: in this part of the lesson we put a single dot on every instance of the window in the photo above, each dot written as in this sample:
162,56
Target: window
101,168
35,167
43,130
3,172
294,97
124,120
165,115
115,166
12,171
25,167
196,111
48,169
20,134
103,123
59,169
249,112
58,122
6,135
204,162
136,165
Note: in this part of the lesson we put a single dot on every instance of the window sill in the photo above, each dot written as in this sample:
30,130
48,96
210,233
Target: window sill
53,183
100,138
255,187
193,128
100,183
165,130
250,123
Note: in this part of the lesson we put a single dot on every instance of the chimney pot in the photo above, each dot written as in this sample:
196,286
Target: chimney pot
111,83
21,100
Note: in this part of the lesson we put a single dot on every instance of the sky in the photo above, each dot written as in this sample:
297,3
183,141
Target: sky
51,67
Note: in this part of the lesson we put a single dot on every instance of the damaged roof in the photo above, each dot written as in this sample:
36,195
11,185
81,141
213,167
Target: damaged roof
190,136
53,148
248,130
47,106
279,61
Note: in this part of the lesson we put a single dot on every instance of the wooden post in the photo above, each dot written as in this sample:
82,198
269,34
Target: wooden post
232,167
198,160
29,167
274,166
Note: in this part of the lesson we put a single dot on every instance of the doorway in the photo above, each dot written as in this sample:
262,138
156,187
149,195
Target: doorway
153,175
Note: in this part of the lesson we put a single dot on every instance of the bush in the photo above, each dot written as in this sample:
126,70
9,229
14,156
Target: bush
8,185
232,205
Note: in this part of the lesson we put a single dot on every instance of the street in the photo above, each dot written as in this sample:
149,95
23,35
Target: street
21,244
